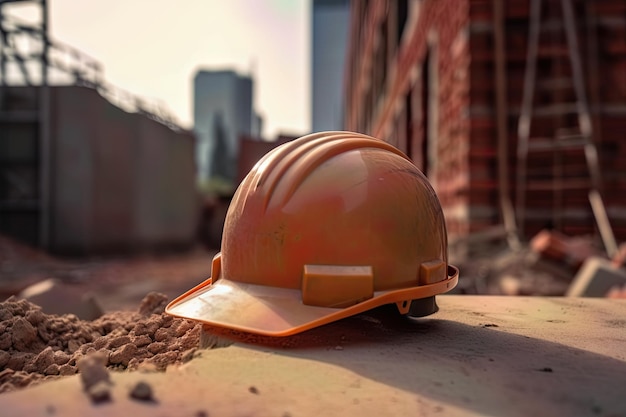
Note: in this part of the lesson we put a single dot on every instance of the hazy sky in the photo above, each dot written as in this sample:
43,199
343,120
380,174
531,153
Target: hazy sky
152,48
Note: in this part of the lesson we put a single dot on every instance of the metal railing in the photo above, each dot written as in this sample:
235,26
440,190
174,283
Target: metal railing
29,56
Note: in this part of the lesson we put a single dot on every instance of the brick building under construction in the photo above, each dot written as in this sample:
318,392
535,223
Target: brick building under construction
447,82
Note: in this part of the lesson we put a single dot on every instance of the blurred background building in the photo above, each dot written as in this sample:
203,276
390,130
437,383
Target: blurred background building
447,81
329,33
85,167
223,113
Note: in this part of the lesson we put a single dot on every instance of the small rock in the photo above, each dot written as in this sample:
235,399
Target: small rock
153,303
142,340
92,370
5,341
184,326
23,334
338,347
188,355
4,358
161,335
67,369
61,358
73,346
5,314
157,347
100,392
52,370
148,328
166,321
191,338
35,317
123,355
119,341
44,359
44,334
253,390
142,392
18,360
162,360
100,342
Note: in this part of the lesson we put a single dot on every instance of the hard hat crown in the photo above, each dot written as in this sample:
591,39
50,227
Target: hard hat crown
339,200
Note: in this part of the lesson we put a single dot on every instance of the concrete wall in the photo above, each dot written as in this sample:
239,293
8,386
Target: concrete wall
119,181
73,120
19,164
164,172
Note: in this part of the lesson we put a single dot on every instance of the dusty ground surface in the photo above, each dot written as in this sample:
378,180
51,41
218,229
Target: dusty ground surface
118,283
479,355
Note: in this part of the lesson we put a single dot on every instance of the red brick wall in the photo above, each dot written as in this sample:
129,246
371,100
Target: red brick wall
466,172
605,78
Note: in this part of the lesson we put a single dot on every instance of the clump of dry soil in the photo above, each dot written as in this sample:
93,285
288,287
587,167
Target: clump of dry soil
35,346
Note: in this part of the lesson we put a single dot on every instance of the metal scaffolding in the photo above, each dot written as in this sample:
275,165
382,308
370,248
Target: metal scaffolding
30,57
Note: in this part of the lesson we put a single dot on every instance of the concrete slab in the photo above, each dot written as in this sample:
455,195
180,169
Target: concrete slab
480,355
596,278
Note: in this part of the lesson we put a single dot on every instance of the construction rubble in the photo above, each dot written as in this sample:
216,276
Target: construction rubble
551,264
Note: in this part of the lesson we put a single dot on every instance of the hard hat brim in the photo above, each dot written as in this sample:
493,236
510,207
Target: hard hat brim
275,311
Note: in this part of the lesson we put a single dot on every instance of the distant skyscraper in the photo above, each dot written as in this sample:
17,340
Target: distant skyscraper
331,19
222,107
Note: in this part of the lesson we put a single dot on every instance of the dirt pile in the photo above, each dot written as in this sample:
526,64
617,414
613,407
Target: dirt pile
35,346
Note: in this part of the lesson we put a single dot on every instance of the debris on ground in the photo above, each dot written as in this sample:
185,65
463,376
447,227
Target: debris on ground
597,277
546,266
100,392
508,272
57,297
569,251
22,266
92,369
142,391
35,346
108,283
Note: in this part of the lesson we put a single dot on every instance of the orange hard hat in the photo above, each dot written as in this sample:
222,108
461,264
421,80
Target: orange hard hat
324,227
